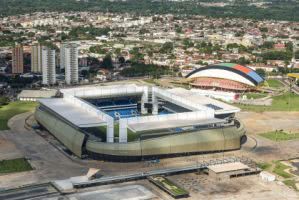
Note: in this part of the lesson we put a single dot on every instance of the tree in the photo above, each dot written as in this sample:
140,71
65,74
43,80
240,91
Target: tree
121,60
277,55
267,45
178,29
97,49
4,101
167,47
289,46
107,62
243,61
264,29
84,73
261,72
188,43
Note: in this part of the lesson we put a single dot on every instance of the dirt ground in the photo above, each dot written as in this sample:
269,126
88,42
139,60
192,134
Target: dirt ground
269,121
250,187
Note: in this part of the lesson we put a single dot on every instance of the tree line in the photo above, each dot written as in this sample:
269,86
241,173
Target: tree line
277,10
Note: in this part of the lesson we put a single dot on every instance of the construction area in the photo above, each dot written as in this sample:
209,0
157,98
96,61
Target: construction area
213,169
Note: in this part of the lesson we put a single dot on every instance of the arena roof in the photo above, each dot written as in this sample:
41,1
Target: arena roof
72,112
250,77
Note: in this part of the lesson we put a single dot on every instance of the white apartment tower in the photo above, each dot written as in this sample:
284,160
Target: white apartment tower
69,62
48,66
36,58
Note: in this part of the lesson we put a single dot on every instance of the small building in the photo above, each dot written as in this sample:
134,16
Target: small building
227,170
266,176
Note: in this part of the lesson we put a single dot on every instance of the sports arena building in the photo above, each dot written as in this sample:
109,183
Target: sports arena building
130,122
225,77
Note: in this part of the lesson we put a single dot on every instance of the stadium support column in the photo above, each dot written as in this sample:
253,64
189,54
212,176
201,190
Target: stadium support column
155,104
144,99
110,130
123,131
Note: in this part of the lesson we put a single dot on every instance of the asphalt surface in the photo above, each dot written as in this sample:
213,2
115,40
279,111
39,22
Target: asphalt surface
49,163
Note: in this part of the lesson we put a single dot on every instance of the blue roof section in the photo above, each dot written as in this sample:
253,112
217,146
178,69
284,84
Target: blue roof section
255,76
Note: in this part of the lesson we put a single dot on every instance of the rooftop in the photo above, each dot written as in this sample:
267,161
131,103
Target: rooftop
228,167
72,113
218,106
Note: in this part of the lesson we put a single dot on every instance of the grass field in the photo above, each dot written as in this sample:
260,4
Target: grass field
274,83
12,109
255,95
170,187
291,183
279,170
264,165
286,102
280,136
15,165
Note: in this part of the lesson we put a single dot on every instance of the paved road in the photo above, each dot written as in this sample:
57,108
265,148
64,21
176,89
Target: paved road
49,163
286,83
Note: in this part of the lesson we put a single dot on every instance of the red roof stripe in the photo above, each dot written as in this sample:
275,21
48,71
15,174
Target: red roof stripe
243,69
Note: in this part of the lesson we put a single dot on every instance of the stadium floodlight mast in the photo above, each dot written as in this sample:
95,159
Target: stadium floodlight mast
291,81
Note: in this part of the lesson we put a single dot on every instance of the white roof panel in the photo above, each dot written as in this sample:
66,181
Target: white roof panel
218,106
72,112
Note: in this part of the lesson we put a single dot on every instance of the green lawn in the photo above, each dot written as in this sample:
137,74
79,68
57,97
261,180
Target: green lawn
174,188
291,183
15,165
274,83
286,102
255,95
12,109
169,186
280,136
279,170
264,165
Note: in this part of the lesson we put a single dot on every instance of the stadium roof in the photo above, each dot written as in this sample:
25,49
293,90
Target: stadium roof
72,112
218,106
237,69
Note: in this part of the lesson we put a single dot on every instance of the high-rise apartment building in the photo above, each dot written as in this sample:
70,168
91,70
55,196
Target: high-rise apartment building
36,58
69,62
48,66
17,60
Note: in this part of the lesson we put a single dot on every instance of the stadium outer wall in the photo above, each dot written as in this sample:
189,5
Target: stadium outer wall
209,140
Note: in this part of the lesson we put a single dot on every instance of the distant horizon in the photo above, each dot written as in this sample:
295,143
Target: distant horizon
282,10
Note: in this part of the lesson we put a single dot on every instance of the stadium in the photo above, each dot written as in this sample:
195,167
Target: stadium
227,77
132,122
